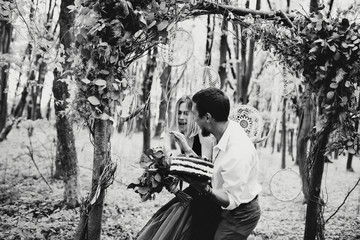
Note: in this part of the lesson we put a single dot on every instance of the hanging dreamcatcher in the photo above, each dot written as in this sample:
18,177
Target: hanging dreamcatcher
210,77
285,185
178,48
206,77
250,120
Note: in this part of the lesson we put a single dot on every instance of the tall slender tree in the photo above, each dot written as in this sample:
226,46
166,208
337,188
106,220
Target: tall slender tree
245,67
148,79
165,81
5,39
66,158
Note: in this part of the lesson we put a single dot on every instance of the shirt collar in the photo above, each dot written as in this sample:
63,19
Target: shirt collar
224,138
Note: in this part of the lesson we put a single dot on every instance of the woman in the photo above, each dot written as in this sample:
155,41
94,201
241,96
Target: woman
199,219
184,123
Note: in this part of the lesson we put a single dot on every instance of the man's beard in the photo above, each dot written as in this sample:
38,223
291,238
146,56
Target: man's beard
205,132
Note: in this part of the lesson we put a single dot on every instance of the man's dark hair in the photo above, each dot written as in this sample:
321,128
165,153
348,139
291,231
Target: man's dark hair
214,101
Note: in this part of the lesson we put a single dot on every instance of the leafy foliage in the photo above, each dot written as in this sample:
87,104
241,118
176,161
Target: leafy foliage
325,51
110,35
155,176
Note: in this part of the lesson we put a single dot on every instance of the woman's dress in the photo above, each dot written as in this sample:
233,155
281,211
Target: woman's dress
175,221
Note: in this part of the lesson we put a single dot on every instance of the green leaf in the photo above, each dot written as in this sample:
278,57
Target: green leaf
116,87
90,21
100,82
85,80
351,150
157,177
114,58
143,190
171,25
142,19
333,85
161,26
104,116
332,48
93,100
319,25
337,56
151,24
71,8
162,5
330,95
313,49
104,72
154,183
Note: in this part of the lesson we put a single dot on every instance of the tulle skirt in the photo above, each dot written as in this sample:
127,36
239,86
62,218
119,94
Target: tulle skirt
170,222
175,221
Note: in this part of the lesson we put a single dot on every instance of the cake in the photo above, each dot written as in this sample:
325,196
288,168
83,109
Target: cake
195,168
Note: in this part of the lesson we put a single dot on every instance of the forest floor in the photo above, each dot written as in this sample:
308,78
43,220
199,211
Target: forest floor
29,209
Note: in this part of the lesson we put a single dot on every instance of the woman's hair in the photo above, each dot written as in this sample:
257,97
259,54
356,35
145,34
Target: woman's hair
214,101
192,127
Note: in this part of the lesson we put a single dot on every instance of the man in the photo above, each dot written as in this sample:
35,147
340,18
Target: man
234,182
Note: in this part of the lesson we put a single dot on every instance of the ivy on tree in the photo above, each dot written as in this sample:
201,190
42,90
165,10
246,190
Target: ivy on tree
326,52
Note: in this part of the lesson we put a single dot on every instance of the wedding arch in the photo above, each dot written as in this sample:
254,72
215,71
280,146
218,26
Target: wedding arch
111,34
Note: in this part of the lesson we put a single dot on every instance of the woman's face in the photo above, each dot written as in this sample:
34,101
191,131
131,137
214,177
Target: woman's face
183,114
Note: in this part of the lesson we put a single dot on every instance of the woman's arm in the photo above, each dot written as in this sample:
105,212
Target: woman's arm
183,144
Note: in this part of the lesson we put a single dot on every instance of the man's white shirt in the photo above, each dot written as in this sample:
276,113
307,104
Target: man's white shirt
236,166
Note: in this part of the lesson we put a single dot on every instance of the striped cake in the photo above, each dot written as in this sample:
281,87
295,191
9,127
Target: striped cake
195,168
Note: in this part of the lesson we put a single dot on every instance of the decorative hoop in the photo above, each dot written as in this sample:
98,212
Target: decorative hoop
250,120
210,77
178,49
285,185
286,87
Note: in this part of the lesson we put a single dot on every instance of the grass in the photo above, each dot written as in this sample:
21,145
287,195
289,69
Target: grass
30,210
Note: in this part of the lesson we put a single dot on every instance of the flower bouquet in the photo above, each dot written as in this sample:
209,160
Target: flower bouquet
156,176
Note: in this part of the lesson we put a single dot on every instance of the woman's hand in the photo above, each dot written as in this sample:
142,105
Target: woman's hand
183,144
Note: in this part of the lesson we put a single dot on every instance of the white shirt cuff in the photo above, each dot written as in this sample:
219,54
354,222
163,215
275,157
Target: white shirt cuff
232,204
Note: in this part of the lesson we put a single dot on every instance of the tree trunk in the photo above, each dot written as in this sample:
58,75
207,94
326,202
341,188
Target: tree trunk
331,3
283,136
246,64
302,139
91,213
148,78
66,161
209,40
349,162
165,80
314,224
223,52
350,156
273,138
101,158
5,39
18,110
242,68
314,5
287,6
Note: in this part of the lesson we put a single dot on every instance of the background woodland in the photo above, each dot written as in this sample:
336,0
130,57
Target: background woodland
86,86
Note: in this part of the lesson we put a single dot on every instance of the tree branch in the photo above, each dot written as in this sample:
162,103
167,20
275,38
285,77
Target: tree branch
343,201
213,8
